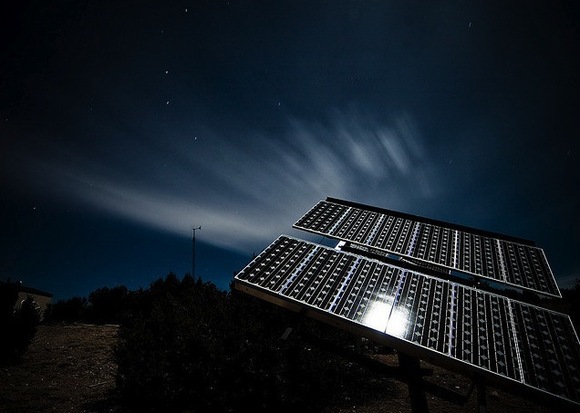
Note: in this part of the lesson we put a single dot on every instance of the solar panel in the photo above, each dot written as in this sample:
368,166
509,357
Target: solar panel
500,258
458,327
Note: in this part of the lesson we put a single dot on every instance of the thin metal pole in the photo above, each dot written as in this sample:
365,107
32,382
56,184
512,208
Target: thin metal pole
193,250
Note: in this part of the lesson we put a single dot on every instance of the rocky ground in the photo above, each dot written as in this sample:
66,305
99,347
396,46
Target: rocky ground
70,368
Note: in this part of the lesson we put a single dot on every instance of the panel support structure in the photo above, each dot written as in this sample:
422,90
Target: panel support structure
400,280
476,333
411,368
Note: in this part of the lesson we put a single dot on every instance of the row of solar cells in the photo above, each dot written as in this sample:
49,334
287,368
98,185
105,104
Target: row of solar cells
497,259
521,342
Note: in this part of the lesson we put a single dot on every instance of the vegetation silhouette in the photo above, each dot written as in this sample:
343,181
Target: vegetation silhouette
186,345
104,306
18,325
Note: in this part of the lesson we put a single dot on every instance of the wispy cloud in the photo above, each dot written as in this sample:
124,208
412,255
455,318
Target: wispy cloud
246,190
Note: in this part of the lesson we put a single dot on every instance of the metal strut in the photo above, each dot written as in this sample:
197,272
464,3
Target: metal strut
411,369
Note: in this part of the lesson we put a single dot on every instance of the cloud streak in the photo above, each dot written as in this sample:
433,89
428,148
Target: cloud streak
246,191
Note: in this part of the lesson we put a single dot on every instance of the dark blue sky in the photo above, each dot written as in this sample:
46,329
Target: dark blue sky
125,123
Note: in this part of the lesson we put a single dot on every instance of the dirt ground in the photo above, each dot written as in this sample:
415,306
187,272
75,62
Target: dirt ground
69,368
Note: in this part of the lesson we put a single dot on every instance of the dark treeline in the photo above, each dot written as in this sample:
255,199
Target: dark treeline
103,306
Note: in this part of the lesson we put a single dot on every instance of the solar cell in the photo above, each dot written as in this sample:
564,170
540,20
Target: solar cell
456,326
478,253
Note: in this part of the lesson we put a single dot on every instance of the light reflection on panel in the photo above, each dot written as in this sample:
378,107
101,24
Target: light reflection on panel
517,341
497,259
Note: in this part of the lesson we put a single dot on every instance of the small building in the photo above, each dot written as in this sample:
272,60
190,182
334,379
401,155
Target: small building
41,298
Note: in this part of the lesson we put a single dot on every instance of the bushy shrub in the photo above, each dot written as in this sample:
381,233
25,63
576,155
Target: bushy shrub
172,343
186,345
104,305
69,311
107,305
18,325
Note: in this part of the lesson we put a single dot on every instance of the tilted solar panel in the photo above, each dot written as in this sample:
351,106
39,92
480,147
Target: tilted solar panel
499,258
458,327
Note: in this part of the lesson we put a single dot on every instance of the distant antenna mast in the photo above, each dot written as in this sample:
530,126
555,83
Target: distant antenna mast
193,249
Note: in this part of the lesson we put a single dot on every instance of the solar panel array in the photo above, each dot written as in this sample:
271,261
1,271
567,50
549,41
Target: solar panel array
500,260
480,331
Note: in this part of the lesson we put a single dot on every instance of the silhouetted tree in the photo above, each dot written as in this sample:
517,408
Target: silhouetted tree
107,305
69,311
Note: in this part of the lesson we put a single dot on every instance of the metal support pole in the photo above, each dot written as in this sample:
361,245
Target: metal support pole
193,250
481,397
411,368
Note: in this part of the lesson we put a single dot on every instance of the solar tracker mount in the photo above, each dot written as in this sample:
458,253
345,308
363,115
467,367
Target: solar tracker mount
483,335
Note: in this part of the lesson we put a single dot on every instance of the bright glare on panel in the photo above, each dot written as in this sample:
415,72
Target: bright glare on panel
398,323
377,316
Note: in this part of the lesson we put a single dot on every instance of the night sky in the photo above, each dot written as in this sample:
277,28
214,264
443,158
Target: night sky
123,124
